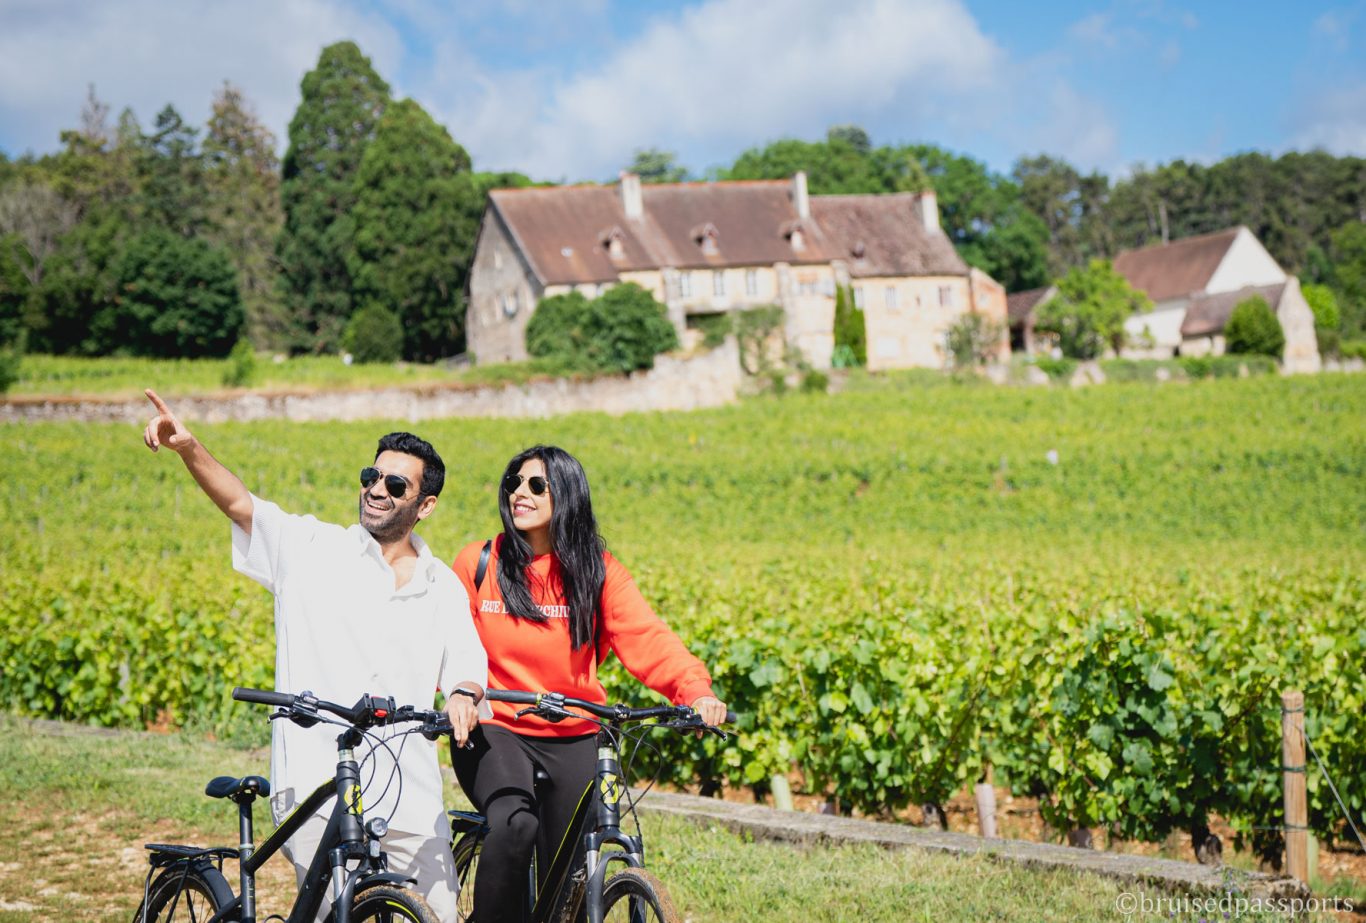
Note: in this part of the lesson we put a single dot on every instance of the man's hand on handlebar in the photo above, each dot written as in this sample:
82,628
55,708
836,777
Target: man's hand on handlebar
711,710
463,710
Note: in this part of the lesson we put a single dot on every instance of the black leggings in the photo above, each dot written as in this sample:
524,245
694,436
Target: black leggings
497,777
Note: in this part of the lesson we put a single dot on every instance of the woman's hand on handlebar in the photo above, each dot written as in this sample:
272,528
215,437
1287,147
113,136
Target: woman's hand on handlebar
463,711
710,709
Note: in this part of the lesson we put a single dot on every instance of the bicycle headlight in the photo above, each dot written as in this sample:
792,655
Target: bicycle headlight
377,827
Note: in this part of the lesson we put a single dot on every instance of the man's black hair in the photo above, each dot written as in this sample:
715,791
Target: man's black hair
433,468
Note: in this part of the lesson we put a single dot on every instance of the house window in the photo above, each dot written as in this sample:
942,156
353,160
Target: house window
858,297
889,297
807,287
685,285
945,296
718,284
752,283
508,303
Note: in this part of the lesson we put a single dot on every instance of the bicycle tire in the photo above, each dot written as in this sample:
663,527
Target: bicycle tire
636,896
387,904
181,896
465,857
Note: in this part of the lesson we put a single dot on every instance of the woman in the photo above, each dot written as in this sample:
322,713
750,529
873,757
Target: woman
550,603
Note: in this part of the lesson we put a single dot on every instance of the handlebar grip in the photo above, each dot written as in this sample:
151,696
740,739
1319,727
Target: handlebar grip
263,697
731,717
515,696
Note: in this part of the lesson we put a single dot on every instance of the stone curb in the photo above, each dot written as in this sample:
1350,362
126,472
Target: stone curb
1187,878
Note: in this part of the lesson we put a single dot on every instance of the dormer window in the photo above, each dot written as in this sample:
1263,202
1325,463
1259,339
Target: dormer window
613,240
795,234
706,237
859,251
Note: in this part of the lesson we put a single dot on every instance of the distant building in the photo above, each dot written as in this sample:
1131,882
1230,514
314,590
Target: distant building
708,248
1194,284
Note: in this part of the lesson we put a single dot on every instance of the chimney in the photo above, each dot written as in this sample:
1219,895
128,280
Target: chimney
630,195
927,207
800,200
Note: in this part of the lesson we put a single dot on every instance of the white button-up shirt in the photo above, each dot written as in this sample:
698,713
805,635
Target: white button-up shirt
342,630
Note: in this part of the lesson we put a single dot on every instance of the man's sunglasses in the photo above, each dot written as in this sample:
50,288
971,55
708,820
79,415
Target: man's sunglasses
396,484
537,484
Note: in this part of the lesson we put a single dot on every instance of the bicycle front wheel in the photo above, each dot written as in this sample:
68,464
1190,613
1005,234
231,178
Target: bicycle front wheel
466,854
385,904
636,896
180,895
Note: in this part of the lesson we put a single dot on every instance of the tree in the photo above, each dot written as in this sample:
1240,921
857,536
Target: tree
1071,207
172,176
653,165
342,102
34,218
244,217
374,334
973,340
1347,249
1253,329
1327,317
851,335
416,217
1089,311
620,331
176,298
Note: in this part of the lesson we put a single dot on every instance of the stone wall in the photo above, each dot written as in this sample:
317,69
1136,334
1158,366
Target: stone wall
707,380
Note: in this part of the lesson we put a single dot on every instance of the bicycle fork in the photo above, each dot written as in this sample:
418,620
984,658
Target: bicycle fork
611,788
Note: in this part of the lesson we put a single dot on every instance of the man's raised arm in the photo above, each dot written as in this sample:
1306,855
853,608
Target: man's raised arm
223,487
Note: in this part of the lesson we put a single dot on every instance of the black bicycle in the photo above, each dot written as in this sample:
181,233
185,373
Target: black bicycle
577,885
185,884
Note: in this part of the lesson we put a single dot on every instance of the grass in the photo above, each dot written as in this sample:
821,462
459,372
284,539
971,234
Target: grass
73,847
113,377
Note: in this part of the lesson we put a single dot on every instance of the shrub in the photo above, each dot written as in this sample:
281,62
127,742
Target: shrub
556,328
1253,328
851,334
754,331
11,357
714,327
620,331
972,340
241,368
814,380
374,334
1353,349
1197,366
1057,369
1088,313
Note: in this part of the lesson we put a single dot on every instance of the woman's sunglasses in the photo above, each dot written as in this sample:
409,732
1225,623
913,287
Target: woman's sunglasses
537,484
396,484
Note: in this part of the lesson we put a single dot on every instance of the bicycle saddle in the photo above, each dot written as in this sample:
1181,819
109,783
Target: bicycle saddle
239,790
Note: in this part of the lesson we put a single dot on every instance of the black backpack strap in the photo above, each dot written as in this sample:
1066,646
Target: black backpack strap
483,565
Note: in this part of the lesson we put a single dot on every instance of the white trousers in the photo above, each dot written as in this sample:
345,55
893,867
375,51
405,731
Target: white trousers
421,856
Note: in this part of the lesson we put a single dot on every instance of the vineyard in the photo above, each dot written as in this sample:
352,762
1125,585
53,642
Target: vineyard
1098,593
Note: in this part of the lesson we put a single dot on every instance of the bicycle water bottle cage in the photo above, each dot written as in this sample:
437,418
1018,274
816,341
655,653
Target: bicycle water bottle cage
242,790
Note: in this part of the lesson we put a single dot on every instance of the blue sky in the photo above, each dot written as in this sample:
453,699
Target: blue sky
568,89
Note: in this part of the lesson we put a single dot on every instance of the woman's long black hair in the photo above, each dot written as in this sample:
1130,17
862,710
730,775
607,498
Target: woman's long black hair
574,540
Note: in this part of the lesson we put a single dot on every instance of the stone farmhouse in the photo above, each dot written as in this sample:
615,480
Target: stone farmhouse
708,248
1194,284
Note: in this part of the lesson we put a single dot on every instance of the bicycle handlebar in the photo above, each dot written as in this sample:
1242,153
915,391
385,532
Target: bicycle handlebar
369,711
597,709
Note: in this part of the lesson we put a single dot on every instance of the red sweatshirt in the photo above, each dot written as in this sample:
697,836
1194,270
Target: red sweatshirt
538,656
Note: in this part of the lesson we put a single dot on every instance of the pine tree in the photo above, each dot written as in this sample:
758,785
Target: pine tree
416,216
343,100
242,176
172,176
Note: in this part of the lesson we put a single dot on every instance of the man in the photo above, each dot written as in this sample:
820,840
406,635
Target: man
357,610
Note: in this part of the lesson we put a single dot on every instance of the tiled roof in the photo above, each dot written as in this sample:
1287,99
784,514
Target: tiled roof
565,232
1209,314
883,235
1177,269
1022,304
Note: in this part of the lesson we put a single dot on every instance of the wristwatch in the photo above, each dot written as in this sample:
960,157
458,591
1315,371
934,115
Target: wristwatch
461,690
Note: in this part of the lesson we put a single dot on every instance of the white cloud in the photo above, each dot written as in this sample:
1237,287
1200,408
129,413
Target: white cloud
1094,30
1333,119
731,73
146,53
